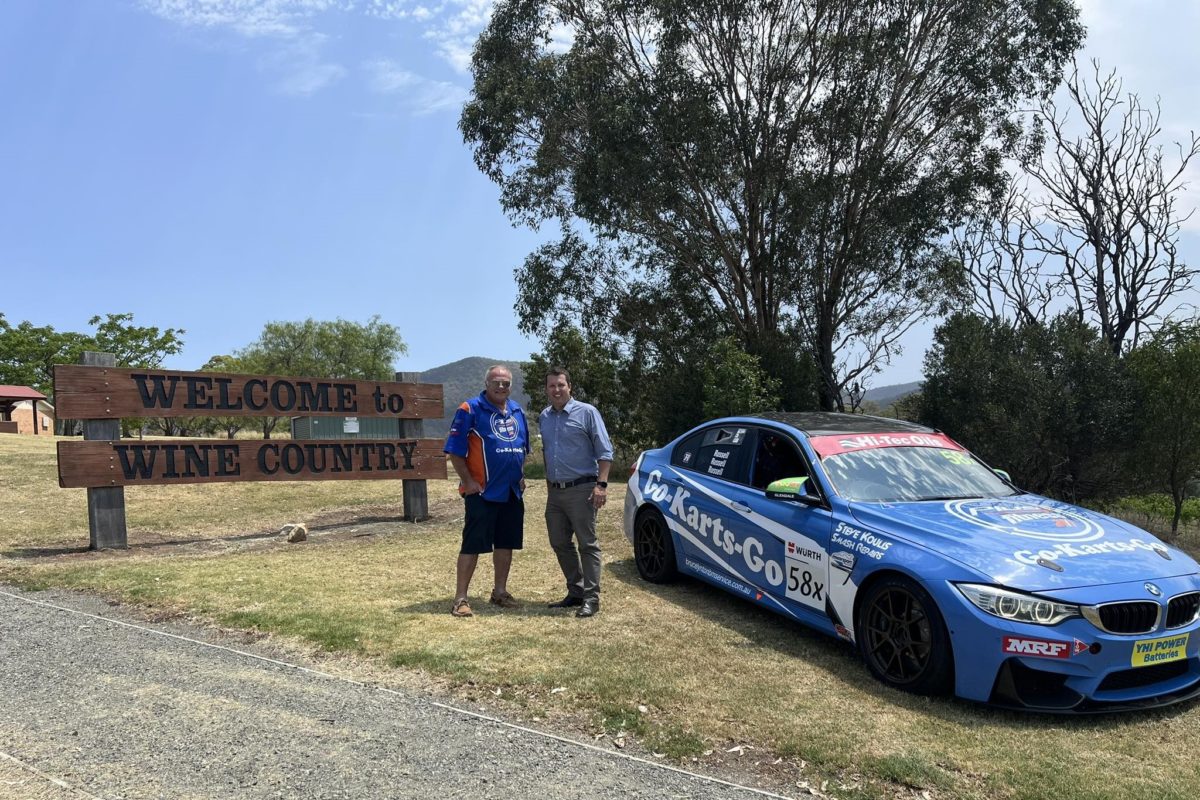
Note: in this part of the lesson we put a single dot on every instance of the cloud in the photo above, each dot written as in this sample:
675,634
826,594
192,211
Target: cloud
300,68
420,94
282,18
455,27
294,27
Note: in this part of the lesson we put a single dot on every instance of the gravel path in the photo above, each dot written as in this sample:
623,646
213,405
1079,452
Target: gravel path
91,707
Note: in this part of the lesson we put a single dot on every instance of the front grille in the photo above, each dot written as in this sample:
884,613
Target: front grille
1137,616
1143,676
1182,610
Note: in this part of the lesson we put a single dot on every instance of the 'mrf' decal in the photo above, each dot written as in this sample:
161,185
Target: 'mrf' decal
1041,648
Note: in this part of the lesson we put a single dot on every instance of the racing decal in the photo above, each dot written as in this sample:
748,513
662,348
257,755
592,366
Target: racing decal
805,578
842,560
748,557
1040,648
729,583
1058,551
505,427
859,541
1027,520
1156,651
836,445
716,466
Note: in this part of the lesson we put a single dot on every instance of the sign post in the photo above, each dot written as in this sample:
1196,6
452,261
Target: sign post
106,504
102,394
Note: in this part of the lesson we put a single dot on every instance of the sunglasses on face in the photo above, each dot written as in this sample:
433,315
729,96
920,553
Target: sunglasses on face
500,384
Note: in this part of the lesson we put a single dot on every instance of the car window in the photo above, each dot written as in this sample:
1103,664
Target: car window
900,474
686,451
724,452
775,457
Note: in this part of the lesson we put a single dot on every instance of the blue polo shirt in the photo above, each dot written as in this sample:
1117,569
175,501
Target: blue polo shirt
494,443
573,440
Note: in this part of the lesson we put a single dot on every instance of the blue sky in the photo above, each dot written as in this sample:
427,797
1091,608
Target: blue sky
215,164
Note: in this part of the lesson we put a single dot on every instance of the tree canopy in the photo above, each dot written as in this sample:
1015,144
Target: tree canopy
29,352
776,172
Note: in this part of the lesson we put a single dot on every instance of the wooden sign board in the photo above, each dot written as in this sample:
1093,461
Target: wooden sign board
109,393
129,462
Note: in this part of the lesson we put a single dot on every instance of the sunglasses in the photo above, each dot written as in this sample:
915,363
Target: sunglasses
500,384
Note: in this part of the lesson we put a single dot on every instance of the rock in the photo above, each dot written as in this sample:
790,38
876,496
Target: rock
294,532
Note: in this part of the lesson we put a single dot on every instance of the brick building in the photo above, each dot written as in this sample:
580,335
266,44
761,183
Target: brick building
25,410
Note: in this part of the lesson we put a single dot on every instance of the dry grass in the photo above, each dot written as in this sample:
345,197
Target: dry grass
711,672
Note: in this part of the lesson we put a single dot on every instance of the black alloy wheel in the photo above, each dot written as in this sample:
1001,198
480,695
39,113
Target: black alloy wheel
653,548
902,637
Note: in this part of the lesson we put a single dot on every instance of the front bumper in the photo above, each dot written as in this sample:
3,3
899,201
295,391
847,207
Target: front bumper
1073,667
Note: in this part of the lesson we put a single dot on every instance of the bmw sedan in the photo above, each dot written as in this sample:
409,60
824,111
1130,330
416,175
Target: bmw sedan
944,575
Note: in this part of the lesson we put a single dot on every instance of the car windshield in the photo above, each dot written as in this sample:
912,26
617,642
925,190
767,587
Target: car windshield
905,474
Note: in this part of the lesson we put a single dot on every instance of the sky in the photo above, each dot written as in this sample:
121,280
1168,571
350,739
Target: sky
213,165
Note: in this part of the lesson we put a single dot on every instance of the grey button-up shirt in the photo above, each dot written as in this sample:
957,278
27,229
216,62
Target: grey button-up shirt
573,440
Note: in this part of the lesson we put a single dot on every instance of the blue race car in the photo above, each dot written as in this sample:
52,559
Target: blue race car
892,536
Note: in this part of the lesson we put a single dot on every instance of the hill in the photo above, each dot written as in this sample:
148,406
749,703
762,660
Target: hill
884,396
462,379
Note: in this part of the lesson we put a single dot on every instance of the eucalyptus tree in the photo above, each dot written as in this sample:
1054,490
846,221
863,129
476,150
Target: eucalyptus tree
788,167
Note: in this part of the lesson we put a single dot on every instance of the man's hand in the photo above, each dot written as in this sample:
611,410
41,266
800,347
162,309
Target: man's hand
472,486
598,497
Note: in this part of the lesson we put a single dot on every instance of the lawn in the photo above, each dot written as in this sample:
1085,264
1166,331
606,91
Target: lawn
689,672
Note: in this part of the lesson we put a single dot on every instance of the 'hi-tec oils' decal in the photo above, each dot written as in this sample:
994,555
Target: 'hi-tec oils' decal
801,576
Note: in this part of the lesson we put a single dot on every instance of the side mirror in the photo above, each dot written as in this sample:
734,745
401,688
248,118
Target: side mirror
794,489
1004,474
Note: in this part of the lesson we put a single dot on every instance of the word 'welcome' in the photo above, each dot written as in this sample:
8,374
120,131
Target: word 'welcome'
109,393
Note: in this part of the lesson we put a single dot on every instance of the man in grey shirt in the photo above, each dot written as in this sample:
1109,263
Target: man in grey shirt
578,456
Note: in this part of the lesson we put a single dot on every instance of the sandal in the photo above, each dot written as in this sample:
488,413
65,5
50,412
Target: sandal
504,600
461,608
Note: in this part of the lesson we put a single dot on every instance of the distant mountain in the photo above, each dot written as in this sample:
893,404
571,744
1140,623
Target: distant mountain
462,379
884,396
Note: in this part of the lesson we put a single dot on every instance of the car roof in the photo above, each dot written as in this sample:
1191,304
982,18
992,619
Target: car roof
828,423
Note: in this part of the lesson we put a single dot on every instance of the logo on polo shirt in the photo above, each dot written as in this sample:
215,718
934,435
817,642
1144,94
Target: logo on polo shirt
504,427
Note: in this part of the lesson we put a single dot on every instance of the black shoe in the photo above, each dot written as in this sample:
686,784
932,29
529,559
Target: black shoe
566,602
590,608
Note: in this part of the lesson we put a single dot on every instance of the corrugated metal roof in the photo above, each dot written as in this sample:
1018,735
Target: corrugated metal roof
19,393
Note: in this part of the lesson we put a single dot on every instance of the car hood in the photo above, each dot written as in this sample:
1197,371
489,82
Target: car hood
1029,542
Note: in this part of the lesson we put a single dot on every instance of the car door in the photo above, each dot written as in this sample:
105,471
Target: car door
795,533
712,466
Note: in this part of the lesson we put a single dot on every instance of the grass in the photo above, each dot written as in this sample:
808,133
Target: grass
690,672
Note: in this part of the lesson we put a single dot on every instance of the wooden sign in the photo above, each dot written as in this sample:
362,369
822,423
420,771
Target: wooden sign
109,393
129,462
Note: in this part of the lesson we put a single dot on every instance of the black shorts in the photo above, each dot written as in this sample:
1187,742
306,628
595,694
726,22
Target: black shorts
493,525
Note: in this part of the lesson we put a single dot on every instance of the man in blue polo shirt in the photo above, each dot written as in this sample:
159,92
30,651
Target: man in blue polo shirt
578,456
487,445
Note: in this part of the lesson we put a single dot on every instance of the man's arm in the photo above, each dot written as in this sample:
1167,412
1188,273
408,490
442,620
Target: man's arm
470,485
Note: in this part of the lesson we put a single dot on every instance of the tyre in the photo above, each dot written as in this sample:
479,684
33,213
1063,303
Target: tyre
653,547
902,637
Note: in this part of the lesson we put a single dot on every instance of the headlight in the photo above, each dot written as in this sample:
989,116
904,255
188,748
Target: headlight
1016,606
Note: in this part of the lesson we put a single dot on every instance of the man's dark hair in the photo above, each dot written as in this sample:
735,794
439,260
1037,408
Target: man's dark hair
550,373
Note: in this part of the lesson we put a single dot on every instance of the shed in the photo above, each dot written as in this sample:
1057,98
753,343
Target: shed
19,402
345,428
